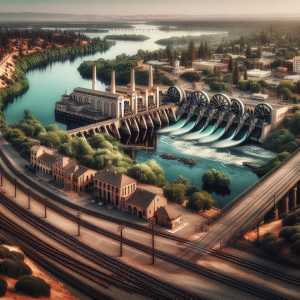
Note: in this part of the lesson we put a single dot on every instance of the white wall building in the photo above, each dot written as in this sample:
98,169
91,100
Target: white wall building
293,78
296,64
256,73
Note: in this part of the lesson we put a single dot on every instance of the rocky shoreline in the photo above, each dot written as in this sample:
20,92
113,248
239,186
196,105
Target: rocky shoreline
171,156
250,165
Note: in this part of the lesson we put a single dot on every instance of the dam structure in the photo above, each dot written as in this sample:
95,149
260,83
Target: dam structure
220,119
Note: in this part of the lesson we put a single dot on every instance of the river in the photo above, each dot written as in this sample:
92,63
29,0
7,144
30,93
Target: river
49,81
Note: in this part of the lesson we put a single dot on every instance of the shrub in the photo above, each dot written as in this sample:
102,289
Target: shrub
291,219
191,189
200,201
287,232
296,247
295,237
217,178
295,99
296,108
175,192
3,239
191,76
272,248
182,180
268,237
283,215
3,287
33,286
14,269
255,87
280,140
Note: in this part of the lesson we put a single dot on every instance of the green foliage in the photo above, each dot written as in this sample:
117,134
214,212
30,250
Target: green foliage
13,255
245,85
292,218
272,163
175,192
14,268
200,201
191,76
255,87
149,172
127,37
218,86
3,239
216,178
287,232
294,124
210,38
281,141
263,83
227,78
18,139
207,72
182,180
3,287
296,108
123,70
296,247
291,86
33,286
191,189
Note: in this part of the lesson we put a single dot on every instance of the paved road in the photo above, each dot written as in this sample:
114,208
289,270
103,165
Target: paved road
258,201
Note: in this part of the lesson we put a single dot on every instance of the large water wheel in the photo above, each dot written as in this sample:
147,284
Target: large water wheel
263,112
174,94
199,99
237,107
220,102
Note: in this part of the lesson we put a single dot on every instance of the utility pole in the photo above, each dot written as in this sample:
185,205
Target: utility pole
152,223
257,240
45,208
28,199
120,229
78,215
15,187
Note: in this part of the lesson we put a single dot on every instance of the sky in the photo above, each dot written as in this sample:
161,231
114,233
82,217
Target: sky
161,7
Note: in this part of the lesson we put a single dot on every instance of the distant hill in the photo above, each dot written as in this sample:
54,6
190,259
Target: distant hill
30,16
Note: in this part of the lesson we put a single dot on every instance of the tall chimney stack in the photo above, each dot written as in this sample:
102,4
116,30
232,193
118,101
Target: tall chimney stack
113,82
94,86
150,82
132,83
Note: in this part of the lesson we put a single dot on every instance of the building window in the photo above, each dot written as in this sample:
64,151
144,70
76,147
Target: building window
134,187
87,178
104,185
100,183
150,211
117,190
122,192
96,182
128,191
108,187
157,199
131,188
125,191
144,213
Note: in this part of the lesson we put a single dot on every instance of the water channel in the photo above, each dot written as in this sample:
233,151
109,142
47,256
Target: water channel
49,81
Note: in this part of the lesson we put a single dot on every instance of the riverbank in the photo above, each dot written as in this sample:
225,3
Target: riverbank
19,81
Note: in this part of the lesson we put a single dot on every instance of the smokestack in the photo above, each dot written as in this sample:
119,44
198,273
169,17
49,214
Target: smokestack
150,82
94,86
132,83
113,82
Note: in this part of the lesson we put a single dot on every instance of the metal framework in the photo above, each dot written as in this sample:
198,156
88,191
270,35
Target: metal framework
199,99
220,102
175,94
263,112
237,107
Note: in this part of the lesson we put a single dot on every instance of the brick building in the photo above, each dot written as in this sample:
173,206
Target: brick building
289,65
167,217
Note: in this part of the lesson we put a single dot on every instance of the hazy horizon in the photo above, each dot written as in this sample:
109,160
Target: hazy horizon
153,7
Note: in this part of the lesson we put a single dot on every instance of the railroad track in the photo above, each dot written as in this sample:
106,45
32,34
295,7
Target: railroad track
124,271
89,253
244,263
30,244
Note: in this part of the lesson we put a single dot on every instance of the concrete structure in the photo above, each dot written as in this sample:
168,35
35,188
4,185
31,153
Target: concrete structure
150,82
258,73
294,78
275,195
260,97
261,65
296,64
113,82
200,65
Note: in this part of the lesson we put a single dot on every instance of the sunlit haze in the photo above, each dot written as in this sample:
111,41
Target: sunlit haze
160,7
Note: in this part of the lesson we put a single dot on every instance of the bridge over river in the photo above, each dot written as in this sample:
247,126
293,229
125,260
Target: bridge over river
273,194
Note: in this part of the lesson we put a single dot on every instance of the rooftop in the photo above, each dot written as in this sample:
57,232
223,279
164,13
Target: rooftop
114,178
141,198
169,213
49,158
96,93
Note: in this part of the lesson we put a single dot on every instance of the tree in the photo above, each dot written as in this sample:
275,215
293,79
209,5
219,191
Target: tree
201,53
220,50
248,52
255,87
206,50
182,180
200,201
169,52
242,44
191,51
217,178
175,192
230,65
21,54
236,73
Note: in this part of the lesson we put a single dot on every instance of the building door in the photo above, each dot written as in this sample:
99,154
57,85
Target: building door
134,211
108,196
140,215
